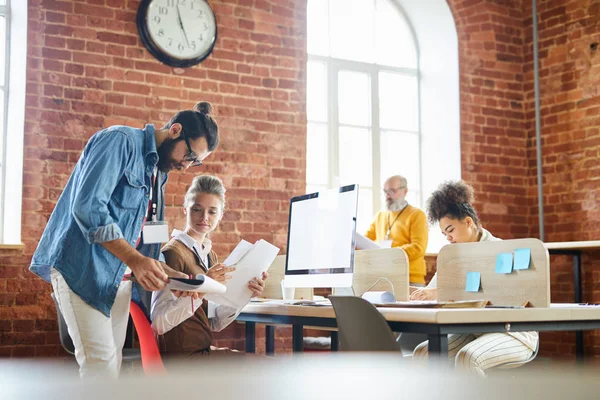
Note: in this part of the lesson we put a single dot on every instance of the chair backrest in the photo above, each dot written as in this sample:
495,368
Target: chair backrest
273,284
370,265
151,359
63,331
528,285
361,327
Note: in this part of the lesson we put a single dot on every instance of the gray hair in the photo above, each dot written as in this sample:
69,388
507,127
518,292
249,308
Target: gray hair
208,184
402,180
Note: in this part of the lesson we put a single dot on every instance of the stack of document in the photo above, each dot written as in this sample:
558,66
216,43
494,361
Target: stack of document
202,283
250,261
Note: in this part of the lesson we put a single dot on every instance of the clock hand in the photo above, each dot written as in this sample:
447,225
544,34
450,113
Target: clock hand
181,25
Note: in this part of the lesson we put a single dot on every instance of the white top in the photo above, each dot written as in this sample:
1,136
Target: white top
529,339
167,311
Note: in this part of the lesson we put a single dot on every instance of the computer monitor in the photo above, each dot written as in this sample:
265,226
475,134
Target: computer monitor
320,245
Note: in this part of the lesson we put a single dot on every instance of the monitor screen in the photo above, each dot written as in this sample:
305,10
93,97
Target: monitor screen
320,246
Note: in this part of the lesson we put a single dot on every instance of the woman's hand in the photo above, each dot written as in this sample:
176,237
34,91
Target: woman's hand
220,273
424,294
257,285
181,293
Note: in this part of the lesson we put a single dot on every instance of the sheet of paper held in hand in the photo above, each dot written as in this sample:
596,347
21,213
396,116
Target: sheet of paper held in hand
364,243
250,262
202,283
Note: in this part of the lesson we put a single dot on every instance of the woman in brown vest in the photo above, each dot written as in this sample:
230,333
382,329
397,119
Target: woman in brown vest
184,322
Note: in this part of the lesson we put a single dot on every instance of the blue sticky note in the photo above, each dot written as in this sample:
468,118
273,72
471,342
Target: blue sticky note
504,263
473,281
522,258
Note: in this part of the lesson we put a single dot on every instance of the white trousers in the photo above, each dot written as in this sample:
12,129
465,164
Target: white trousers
98,339
478,353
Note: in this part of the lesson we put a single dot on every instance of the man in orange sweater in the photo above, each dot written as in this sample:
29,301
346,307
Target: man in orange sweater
404,225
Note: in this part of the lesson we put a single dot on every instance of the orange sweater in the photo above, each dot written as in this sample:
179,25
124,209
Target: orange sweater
409,232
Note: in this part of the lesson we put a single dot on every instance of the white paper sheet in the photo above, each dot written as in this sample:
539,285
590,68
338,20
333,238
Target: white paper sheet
209,286
251,265
364,243
236,255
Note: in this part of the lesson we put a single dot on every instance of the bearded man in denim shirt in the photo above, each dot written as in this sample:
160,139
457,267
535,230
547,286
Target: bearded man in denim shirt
92,238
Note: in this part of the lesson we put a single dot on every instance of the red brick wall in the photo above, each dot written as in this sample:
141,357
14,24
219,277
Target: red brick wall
87,69
498,130
569,66
493,143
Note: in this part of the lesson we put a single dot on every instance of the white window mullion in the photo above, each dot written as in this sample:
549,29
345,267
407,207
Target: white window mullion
334,127
16,31
420,141
376,139
4,11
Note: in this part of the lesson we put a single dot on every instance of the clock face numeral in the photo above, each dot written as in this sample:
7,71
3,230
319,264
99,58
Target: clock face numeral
189,23
173,3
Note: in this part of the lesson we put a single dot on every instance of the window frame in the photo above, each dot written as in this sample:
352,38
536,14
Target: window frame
12,146
5,12
333,66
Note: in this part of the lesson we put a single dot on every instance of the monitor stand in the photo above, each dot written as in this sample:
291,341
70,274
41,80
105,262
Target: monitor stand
342,291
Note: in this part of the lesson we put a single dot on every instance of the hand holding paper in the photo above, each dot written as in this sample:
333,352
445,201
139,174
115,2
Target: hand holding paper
257,285
220,273
250,262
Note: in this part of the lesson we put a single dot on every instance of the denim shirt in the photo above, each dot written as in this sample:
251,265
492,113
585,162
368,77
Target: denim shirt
105,199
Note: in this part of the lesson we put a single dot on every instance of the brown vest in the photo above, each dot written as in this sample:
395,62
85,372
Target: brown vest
194,334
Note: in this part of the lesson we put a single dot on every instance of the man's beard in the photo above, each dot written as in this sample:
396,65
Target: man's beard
165,150
394,205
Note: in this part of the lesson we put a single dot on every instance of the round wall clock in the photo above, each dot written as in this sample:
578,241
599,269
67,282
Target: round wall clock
179,33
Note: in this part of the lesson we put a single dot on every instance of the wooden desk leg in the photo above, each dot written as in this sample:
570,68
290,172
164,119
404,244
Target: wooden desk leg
438,345
298,338
270,340
578,299
250,337
335,341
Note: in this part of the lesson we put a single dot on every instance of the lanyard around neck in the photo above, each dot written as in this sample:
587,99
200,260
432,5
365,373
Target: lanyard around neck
389,230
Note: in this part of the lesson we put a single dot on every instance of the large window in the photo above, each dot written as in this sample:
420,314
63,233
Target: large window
4,58
13,54
362,100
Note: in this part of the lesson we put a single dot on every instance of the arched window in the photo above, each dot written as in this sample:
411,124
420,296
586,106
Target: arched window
13,56
365,99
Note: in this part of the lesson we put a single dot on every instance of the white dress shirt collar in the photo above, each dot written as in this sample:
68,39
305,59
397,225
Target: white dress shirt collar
202,249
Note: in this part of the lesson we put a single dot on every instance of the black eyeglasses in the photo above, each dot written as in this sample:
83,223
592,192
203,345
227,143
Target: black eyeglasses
191,156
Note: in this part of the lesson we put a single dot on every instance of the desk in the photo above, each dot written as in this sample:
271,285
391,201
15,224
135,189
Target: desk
574,249
437,323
